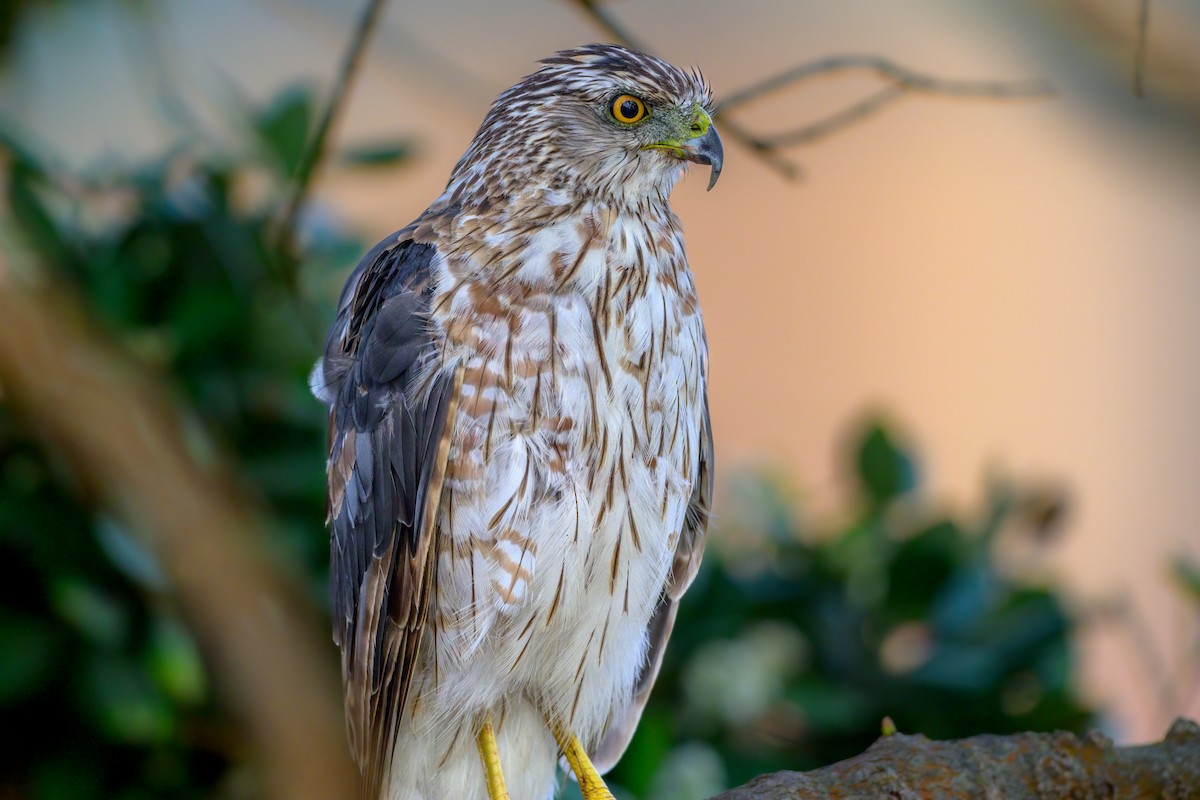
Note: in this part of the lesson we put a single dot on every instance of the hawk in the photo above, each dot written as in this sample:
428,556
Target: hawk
520,455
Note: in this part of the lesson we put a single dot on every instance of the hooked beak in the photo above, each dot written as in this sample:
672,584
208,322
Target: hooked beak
704,146
706,149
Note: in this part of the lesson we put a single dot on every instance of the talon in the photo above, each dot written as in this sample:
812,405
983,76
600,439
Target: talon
591,785
489,753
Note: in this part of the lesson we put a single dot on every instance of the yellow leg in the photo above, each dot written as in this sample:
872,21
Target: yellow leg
591,785
490,755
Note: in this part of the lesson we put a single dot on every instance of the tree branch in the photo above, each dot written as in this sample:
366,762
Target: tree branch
888,71
1139,49
835,122
315,152
611,26
1024,766
901,80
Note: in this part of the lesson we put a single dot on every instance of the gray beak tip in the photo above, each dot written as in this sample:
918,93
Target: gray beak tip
713,175
707,150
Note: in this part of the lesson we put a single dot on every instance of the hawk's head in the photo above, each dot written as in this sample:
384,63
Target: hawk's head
600,120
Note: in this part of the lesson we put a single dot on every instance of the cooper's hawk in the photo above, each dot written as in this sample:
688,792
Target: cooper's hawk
520,458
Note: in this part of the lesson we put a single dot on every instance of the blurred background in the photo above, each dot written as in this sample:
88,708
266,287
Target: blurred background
955,362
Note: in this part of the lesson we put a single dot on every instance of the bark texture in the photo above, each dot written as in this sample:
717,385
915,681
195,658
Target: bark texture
1037,766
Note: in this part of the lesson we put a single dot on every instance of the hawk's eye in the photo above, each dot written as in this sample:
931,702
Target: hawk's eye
628,109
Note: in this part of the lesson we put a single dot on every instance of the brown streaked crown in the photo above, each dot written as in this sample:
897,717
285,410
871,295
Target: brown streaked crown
554,130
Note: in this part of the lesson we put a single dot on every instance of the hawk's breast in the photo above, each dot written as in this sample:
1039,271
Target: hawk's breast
574,452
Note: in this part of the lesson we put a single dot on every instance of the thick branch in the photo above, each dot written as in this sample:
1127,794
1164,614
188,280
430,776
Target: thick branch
1032,766
126,444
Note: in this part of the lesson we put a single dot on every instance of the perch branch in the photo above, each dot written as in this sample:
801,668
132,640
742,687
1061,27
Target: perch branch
125,442
1024,766
900,80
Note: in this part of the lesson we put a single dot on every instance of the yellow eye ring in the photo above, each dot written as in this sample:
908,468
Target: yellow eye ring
627,109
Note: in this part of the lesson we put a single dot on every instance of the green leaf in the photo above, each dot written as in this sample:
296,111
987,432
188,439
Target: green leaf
33,218
207,317
921,567
17,144
832,706
93,611
66,776
376,154
174,661
965,599
1187,576
959,668
124,702
283,127
884,470
27,655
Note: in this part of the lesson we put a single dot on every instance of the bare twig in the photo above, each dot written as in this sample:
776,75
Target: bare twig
760,146
315,152
1139,51
901,80
889,71
610,24
835,122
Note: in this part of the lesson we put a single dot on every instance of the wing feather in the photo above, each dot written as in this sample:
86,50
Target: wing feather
391,404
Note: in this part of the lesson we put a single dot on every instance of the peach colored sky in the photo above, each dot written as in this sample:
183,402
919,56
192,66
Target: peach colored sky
1017,284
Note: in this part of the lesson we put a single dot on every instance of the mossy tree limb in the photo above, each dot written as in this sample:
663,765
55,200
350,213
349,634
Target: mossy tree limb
1036,766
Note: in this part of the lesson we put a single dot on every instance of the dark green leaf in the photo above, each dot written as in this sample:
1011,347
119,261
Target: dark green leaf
1187,576
960,668
175,662
34,219
832,706
27,652
376,154
884,470
124,702
964,601
92,610
284,126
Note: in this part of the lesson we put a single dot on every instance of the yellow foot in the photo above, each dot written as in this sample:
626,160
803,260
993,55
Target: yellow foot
591,785
490,755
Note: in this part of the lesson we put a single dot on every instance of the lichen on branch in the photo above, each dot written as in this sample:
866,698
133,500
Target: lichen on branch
1033,766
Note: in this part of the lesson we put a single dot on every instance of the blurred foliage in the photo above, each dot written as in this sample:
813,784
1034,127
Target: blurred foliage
789,650
1187,575
797,640
176,259
14,12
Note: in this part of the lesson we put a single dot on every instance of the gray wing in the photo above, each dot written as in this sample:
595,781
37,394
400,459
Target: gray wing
389,407
688,553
